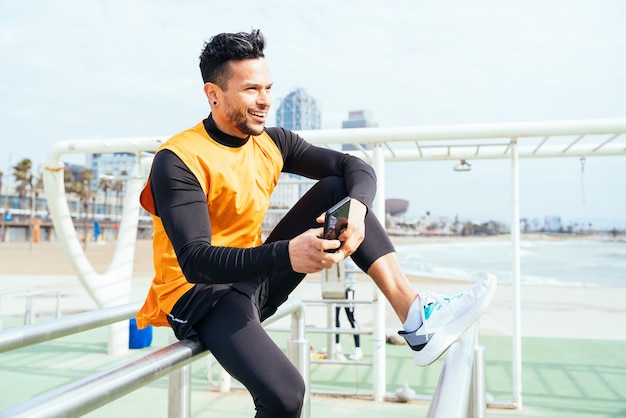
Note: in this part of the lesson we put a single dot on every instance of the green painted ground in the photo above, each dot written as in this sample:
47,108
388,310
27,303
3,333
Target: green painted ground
561,378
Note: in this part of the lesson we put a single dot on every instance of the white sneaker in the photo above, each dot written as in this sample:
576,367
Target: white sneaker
444,319
338,353
357,355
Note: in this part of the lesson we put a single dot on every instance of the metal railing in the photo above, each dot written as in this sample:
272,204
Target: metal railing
92,392
511,141
29,312
19,337
460,391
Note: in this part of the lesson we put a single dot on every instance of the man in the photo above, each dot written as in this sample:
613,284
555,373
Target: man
350,292
215,280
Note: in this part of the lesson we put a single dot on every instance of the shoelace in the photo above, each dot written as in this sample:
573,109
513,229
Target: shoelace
441,300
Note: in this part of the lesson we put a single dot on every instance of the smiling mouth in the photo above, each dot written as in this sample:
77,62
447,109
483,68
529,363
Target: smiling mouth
258,115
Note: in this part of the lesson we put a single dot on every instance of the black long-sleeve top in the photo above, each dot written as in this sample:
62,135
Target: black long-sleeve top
181,204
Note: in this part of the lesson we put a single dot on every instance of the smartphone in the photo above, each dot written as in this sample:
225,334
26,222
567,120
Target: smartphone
336,220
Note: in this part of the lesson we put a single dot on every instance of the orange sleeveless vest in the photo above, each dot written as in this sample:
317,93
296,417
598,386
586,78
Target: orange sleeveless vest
238,183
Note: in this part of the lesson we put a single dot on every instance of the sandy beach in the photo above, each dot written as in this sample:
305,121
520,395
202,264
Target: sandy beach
547,311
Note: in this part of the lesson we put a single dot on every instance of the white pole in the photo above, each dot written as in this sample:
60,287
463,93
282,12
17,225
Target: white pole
379,354
114,286
515,239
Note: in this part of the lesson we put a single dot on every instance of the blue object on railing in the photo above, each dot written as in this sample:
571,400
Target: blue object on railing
139,338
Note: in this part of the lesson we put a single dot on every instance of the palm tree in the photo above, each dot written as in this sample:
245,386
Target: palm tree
106,184
37,189
23,179
118,187
71,186
84,192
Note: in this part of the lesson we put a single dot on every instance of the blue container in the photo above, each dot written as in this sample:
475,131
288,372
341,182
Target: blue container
139,338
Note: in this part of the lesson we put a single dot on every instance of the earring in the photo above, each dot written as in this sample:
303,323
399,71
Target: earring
215,102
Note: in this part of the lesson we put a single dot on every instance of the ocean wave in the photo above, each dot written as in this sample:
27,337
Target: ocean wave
550,263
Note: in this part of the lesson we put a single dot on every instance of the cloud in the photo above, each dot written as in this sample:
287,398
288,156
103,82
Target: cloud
95,68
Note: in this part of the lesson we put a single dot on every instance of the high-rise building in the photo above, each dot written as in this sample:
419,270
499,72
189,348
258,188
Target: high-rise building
358,119
114,165
298,111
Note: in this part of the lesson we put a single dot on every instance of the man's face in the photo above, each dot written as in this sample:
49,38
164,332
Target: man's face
243,105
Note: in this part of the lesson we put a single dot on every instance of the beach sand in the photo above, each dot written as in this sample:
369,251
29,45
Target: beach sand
547,311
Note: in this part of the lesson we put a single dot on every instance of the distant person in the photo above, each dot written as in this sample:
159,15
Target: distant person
215,280
350,283
97,231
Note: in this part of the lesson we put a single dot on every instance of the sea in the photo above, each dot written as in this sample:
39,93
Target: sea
543,262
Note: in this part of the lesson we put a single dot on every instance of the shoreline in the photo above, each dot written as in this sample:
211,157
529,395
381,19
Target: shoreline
546,310
17,257
399,238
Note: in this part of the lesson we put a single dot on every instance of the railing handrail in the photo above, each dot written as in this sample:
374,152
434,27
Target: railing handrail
19,337
451,397
85,395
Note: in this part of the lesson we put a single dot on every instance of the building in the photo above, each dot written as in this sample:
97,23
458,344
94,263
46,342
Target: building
111,166
358,119
552,224
298,111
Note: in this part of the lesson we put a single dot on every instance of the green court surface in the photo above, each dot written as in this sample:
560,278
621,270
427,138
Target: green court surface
560,378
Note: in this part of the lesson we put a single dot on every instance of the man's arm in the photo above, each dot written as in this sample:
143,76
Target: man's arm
181,204
302,158
316,162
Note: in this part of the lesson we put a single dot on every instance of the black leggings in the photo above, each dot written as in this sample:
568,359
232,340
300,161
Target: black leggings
235,336
349,309
232,329
301,217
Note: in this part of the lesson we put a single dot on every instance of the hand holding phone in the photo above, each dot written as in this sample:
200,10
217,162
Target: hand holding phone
336,220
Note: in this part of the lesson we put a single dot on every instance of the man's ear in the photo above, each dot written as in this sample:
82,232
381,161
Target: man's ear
211,91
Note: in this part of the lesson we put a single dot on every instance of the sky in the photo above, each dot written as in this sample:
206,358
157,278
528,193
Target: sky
86,69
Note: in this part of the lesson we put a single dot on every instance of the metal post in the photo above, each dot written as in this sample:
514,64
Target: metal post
224,380
515,267
451,397
477,402
28,314
379,355
58,310
330,324
179,392
299,353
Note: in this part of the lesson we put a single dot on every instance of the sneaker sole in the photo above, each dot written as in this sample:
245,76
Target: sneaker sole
442,341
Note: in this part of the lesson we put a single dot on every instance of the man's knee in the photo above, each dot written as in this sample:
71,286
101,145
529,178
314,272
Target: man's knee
286,403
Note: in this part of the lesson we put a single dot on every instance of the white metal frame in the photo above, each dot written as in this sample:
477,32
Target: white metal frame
582,138
82,396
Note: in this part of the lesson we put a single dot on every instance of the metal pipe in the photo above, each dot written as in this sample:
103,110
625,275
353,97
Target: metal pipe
450,399
376,135
10,292
85,395
516,277
113,287
298,352
19,337
28,312
179,390
330,324
477,403
179,393
379,338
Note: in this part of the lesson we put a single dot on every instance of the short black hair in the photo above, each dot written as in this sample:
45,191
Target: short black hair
225,47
